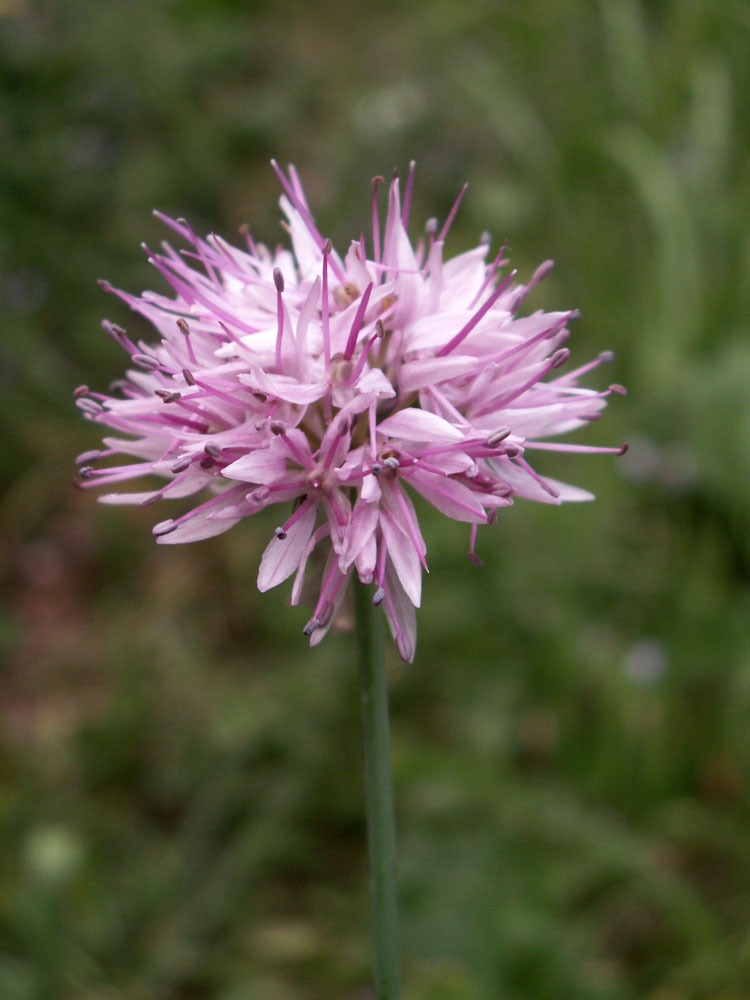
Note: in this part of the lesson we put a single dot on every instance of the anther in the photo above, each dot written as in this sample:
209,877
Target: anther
183,327
207,462
377,179
114,331
212,448
474,559
86,471
90,406
278,427
606,357
258,495
327,247
311,626
280,534
82,390
497,436
145,361
623,448
492,515
181,464
188,376
164,527
512,451
620,390
559,357
260,396
376,469
168,395
379,329
278,279
119,385
378,596
345,294
391,463
431,226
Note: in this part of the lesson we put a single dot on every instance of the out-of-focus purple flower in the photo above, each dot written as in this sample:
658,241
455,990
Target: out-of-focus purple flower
337,387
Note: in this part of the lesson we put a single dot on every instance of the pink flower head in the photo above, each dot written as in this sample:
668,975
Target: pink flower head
337,387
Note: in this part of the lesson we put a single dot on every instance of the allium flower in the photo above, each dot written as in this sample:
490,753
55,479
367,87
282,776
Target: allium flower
336,387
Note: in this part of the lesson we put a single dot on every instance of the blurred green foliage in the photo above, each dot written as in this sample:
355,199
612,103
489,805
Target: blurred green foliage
180,796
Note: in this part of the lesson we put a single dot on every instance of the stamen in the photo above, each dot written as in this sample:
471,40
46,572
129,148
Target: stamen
497,436
375,221
478,315
491,271
280,534
90,406
452,214
473,557
184,329
145,361
82,390
181,464
357,371
406,210
311,627
578,449
188,376
164,527
378,596
357,324
278,280
327,248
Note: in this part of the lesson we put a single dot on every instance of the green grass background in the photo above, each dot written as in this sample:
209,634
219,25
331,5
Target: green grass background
180,787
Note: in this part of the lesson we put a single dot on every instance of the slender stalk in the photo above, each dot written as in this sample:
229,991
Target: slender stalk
381,830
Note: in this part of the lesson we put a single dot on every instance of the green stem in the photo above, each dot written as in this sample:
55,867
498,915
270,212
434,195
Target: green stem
381,830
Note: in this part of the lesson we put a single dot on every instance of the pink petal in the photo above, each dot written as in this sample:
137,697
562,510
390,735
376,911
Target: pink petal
282,556
261,466
399,611
449,496
361,529
404,556
419,425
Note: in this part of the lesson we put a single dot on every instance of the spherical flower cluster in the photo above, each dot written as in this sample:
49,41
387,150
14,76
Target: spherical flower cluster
337,387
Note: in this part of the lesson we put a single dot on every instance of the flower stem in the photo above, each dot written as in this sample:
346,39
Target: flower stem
381,830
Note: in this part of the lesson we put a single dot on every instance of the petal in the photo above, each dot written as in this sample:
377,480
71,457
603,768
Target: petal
415,375
282,556
399,611
524,484
413,424
404,557
361,529
260,466
195,529
449,496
